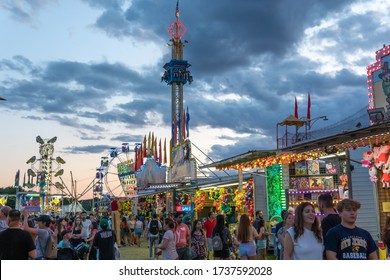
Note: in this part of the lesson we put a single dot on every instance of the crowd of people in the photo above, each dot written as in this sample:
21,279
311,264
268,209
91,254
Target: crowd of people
301,235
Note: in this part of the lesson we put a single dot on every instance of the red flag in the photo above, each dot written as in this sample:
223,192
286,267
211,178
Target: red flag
144,147
136,167
183,126
296,108
159,153
308,107
155,149
142,156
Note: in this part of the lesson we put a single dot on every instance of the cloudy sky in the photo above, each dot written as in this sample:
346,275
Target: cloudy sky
89,72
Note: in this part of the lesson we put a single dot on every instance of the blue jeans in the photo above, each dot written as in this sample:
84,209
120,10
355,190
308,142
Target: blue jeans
153,240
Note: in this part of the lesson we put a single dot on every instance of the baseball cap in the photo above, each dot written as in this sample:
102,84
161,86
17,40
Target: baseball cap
65,232
43,218
104,223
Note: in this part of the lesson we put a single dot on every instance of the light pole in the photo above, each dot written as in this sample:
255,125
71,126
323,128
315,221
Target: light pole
310,122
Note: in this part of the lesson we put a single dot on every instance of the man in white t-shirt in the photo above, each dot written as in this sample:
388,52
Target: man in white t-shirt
87,225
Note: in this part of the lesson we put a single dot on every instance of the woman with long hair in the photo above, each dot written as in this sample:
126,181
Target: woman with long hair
92,249
168,243
246,236
225,236
288,222
304,241
124,231
61,225
77,232
386,235
198,241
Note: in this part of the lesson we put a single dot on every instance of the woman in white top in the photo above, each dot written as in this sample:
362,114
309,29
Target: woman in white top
304,241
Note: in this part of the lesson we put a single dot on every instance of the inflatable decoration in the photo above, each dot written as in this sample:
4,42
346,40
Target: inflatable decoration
249,198
226,200
386,175
239,200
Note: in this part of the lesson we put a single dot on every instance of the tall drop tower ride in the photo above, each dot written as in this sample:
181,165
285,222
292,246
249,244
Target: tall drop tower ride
177,75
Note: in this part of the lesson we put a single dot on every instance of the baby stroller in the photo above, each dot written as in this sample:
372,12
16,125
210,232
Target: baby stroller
66,254
80,250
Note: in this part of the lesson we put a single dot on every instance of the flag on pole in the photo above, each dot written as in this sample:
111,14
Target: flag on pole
148,153
187,123
183,126
308,106
179,134
165,151
296,108
144,146
17,177
159,152
177,9
155,149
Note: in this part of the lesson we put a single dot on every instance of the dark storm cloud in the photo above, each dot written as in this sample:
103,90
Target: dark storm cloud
127,138
218,30
116,116
247,48
89,136
67,88
90,149
73,122
243,145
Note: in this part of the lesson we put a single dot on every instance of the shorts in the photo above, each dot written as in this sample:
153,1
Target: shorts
138,231
247,249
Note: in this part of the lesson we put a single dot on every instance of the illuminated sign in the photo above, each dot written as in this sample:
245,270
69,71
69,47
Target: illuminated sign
125,168
129,183
183,208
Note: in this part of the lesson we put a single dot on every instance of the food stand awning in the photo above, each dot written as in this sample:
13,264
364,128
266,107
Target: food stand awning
376,135
236,161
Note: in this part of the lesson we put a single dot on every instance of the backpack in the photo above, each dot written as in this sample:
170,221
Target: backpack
217,243
153,227
51,248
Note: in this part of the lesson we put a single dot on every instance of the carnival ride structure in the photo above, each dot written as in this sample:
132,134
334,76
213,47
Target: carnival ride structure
43,169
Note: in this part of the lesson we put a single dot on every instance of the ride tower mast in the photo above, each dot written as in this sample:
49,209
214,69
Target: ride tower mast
177,75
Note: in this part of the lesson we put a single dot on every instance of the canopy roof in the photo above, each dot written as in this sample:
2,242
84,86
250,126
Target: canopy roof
291,120
374,135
